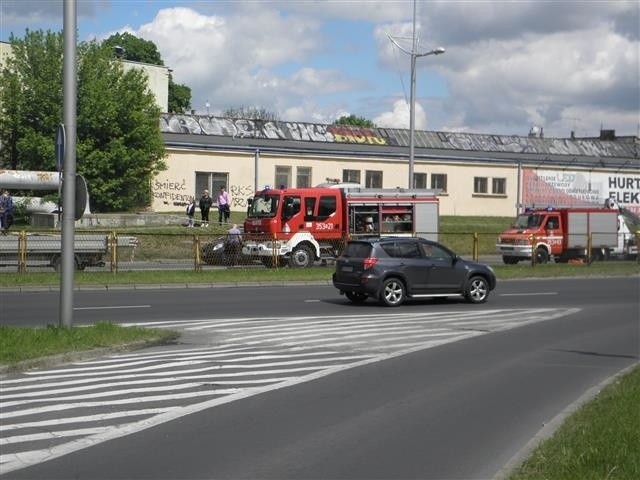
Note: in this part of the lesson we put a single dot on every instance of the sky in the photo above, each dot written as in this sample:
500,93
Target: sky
509,66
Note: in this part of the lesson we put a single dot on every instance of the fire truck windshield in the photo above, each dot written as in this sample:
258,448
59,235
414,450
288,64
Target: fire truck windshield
264,206
528,221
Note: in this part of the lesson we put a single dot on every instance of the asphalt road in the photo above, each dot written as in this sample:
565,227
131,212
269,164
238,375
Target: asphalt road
458,407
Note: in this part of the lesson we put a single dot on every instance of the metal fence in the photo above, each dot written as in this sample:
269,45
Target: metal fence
114,251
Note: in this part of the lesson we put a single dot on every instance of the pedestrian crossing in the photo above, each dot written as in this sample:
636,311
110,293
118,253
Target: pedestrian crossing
48,413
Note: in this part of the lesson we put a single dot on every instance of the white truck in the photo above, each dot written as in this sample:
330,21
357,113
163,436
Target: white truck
90,250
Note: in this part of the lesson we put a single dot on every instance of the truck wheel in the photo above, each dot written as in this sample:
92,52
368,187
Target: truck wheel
597,255
542,256
508,260
56,263
392,293
301,257
477,290
356,297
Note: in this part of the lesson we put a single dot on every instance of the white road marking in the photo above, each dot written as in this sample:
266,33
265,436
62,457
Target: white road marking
252,356
112,307
532,294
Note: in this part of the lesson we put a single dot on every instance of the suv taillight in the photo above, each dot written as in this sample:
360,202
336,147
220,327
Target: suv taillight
369,262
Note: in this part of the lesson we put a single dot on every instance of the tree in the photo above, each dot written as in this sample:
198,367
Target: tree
134,49
119,146
31,103
179,97
250,113
139,50
354,121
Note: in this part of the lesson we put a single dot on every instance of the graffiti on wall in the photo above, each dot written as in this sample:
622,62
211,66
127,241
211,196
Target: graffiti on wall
239,195
176,193
552,187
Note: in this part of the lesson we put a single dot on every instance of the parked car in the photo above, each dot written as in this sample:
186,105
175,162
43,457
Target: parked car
216,252
392,269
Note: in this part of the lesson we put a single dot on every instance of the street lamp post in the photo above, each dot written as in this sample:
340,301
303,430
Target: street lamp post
412,106
412,102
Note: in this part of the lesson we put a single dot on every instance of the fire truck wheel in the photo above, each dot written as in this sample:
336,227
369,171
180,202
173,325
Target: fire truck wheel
392,293
542,256
356,297
301,257
477,290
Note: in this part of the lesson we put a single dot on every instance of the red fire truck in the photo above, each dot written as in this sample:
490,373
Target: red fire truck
297,226
568,233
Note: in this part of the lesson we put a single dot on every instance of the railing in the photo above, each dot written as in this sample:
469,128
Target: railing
115,252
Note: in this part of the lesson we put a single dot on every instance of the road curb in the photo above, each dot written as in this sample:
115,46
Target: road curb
551,427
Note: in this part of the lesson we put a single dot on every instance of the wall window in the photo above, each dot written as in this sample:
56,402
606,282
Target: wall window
351,176
211,181
373,179
419,180
439,181
303,177
479,184
283,177
499,186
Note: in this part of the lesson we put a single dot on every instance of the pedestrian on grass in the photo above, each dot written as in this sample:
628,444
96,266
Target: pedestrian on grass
205,206
224,211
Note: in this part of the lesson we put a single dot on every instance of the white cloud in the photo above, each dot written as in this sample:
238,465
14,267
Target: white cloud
508,65
399,117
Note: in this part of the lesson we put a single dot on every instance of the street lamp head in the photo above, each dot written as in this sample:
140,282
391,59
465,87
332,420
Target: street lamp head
438,51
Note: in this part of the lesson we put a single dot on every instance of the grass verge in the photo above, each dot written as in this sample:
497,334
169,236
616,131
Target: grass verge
22,344
600,441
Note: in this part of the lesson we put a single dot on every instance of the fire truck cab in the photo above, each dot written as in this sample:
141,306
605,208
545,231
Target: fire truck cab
298,226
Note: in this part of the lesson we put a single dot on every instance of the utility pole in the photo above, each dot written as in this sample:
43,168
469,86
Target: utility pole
414,54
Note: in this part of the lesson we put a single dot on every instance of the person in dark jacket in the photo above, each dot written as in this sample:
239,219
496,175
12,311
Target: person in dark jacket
6,211
205,206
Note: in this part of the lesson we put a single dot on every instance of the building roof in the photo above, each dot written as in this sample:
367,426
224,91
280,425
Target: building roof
198,131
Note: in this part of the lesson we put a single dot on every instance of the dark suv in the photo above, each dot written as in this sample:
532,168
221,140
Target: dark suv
393,269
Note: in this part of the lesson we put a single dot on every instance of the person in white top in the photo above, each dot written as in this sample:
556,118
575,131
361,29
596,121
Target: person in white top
223,206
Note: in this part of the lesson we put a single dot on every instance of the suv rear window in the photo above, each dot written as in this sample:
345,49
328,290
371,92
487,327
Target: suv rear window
358,250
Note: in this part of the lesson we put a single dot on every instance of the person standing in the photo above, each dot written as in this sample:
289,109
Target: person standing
6,211
191,211
205,206
223,206
233,244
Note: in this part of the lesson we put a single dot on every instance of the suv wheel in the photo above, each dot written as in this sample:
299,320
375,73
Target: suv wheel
477,290
392,293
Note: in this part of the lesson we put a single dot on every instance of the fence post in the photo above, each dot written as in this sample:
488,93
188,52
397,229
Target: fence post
589,245
638,247
22,252
274,252
476,249
196,250
533,250
114,251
